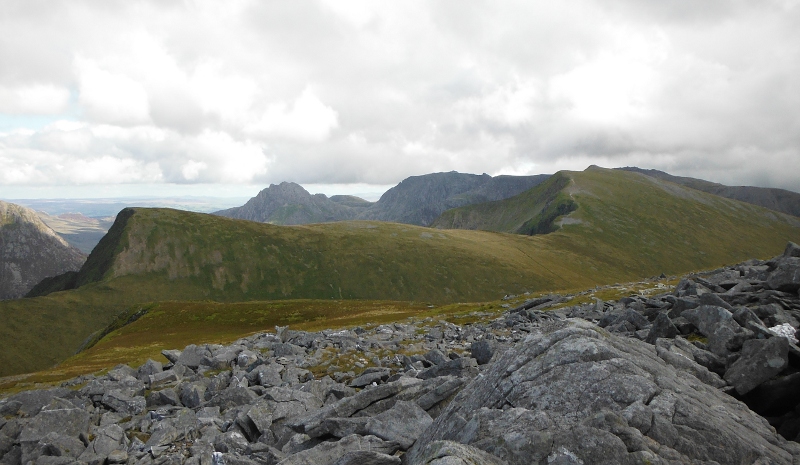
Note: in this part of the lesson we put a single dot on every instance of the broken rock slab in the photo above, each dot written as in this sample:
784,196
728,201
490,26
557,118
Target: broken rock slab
760,360
569,387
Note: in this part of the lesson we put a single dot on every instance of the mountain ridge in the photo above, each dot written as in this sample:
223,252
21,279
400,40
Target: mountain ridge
416,200
30,251
781,200
289,203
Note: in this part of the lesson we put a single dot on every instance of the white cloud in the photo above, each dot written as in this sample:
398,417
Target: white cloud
112,170
111,97
233,161
329,92
191,169
308,119
37,99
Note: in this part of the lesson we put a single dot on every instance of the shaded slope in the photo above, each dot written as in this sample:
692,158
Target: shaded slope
421,199
775,199
30,251
531,212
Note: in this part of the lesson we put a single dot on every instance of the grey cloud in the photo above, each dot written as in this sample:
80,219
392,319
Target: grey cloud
702,89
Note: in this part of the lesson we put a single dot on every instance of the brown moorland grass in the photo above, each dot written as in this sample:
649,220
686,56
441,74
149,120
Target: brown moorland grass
174,325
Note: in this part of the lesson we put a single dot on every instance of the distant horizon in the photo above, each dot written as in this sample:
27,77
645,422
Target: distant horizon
181,98
179,191
240,193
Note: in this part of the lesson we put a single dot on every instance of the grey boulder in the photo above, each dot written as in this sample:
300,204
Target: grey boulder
717,324
403,423
330,452
662,328
363,457
567,393
786,276
760,360
453,453
482,351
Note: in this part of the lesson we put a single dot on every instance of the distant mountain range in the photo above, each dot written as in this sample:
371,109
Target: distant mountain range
421,200
417,200
575,230
775,199
30,251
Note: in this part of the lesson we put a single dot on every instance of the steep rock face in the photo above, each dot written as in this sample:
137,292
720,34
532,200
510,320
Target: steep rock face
30,251
417,200
421,199
575,394
775,199
288,203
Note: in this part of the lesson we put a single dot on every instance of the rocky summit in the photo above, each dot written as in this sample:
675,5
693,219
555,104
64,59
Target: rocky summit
707,373
30,251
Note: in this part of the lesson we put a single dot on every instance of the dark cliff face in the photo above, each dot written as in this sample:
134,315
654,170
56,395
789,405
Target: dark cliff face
417,200
775,199
421,199
30,251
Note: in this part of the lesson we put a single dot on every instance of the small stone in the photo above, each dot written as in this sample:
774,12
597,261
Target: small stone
118,456
482,351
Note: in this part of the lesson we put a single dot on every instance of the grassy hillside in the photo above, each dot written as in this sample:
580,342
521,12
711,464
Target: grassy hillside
775,199
623,226
628,220
530,212
157,254
169,254
174,325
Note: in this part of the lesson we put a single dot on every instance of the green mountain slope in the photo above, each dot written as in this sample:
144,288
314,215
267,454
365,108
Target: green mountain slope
530,212
624,226
775,199
619,217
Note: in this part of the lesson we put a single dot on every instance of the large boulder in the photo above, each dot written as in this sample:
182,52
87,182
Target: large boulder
786,276
760,360
402,424
577,393
330,452
717,324
662,328
453,453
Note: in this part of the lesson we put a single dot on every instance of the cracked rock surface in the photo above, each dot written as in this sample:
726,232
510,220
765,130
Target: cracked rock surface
576,391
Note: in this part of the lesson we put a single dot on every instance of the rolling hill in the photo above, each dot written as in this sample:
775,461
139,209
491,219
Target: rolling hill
30,251
608,226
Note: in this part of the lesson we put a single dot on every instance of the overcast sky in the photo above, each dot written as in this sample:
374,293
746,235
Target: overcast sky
225,97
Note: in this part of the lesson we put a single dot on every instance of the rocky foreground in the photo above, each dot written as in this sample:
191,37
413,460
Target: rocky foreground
693,376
